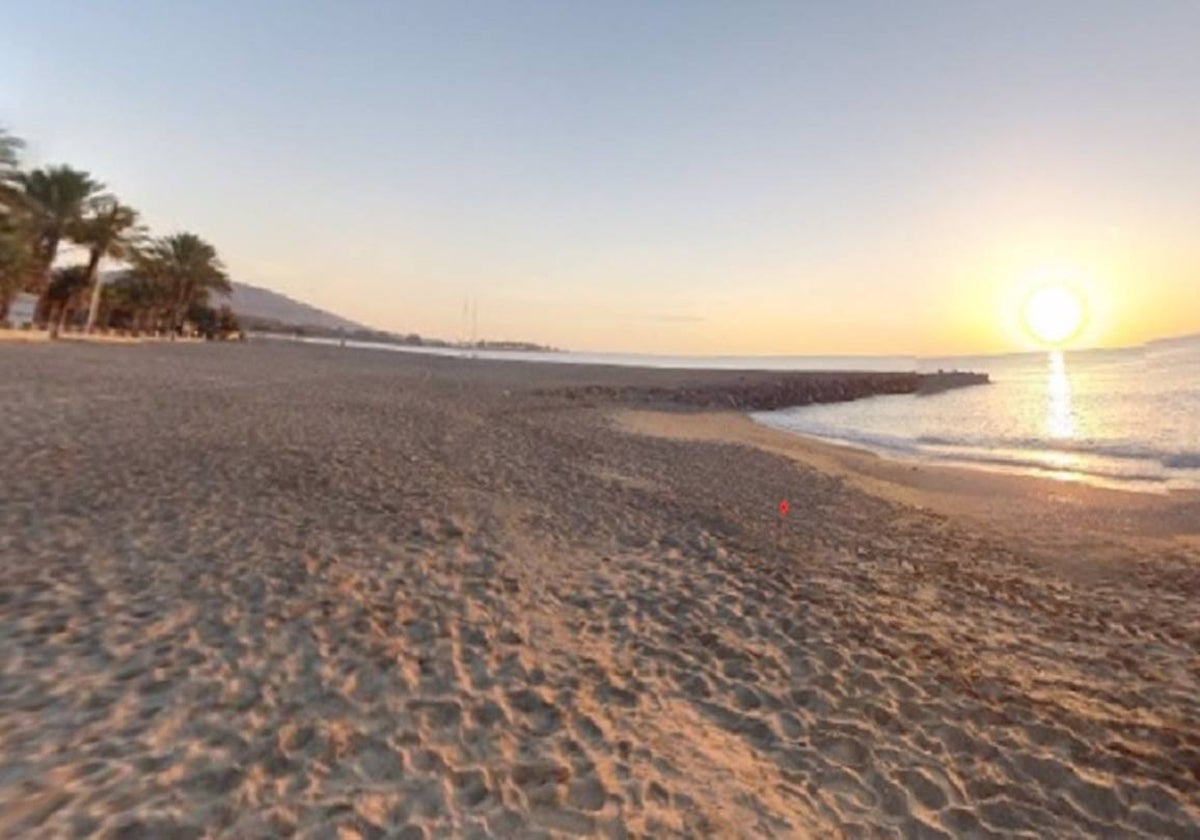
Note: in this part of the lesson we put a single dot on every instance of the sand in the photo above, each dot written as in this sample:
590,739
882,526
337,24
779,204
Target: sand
251,590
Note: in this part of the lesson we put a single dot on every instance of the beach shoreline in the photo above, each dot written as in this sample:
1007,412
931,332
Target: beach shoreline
276,588
1009,502
1059,476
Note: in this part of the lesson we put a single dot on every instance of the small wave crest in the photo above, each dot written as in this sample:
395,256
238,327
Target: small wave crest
1115,462
1185,459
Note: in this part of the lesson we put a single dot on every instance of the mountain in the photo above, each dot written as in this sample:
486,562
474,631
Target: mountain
261,310
262,306
1175,341
258,304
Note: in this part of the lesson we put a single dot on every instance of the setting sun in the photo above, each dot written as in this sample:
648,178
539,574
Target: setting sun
1054,314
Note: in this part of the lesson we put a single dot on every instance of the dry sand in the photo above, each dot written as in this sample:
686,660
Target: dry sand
255,590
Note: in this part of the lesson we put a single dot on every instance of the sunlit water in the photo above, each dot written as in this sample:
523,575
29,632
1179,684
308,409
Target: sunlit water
1128,418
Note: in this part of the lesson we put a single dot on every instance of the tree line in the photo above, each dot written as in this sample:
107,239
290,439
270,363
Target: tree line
170,282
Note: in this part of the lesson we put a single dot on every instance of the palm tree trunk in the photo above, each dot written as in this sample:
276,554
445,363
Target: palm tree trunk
42,311
53,319
64,312
179,311
45,308
93,277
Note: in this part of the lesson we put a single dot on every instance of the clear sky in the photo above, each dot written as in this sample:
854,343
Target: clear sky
737,177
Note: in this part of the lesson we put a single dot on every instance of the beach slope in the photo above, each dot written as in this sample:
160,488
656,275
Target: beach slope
274,588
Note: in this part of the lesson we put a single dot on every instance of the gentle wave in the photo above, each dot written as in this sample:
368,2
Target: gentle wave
1006,459
1083,469
1182,460
1185,461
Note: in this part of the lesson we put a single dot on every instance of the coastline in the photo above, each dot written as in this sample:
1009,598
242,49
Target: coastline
1015,505
1135,486
285,588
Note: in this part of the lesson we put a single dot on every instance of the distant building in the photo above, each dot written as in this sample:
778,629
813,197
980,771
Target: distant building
21,310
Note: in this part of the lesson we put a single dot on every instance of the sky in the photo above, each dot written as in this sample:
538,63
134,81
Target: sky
673,177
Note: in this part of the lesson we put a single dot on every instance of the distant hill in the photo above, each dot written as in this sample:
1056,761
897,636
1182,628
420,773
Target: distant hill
1175,341
261,310
253,303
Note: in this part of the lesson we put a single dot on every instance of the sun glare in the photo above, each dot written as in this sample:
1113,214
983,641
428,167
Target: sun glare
1054,314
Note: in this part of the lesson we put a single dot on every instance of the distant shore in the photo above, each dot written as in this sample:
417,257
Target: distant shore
367,338
280,588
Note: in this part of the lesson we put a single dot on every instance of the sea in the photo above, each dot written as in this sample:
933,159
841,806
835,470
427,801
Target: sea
1126,418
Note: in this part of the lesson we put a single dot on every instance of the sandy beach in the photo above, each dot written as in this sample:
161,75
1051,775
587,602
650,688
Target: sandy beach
270,589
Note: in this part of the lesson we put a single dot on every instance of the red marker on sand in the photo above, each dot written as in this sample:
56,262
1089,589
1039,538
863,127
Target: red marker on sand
783,510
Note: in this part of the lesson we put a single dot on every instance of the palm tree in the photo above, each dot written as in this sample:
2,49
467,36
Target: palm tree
16,241
110,231
18,261
187,268
134,300
58,197
65,292
10,150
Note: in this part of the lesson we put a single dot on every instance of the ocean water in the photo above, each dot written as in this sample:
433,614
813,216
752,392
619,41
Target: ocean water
1125,418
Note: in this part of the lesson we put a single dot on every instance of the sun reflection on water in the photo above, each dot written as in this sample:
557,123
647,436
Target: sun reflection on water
1060,419
1060,422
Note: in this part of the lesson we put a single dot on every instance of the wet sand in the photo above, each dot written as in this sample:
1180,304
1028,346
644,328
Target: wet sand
264,589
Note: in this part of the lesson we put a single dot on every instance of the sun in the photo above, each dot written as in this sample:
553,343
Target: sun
1054,313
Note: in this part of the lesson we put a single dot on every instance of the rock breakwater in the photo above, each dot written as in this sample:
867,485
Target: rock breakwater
761,391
